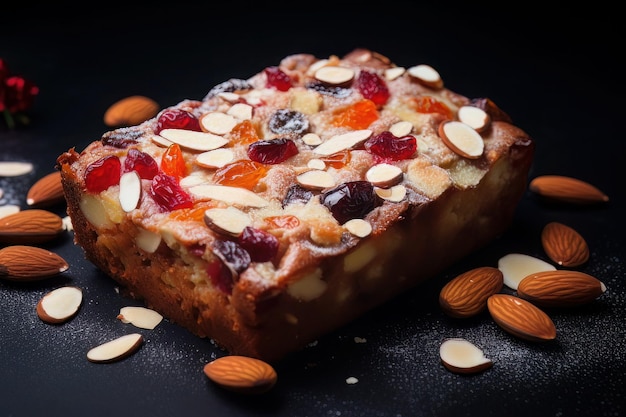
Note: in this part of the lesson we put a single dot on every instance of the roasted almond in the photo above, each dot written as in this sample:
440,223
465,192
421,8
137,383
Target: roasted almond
521,318
47,191
567,189
564,245
130,111
466,295
561,288
29,263
241,374
30,227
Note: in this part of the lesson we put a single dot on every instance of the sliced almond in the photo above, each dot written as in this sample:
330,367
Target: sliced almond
130,191
401,129
311,139
521,318
466,295
342,142
516,266
216,158
461,356
393,73
30,226
229,97
30,263
229,220
394,194
462,139
142,317
9,209
316,163
46,191
560,288
233,195
334,75
358,227
14,169
564,245
384,175
217,122
60,305
148,240
194,141
161,141
567,189
115,349
475,117
241,374
426,75
241,111
316,179
130,111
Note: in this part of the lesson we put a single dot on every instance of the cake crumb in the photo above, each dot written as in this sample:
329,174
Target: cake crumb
351,380
360,340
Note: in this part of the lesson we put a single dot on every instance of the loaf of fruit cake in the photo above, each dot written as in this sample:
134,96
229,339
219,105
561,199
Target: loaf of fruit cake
279,207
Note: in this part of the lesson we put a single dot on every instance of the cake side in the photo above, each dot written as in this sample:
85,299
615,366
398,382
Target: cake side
304,271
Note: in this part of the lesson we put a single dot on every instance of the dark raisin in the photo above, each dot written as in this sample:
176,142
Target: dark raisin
351,200
285,121
230,86
329,90
272,151
297,195
232,253
121,138
261,245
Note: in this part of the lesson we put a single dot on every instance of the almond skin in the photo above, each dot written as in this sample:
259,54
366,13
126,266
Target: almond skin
567,189
241,374
30,227
29,263
47,191
467,294
561,288
130,111
564,245
521,318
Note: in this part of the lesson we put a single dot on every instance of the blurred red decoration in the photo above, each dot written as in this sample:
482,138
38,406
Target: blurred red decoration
16,96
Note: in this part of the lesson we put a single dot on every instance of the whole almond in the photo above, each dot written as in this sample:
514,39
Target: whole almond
241,374
47,191
130,111
564,245
521,318
567,189
29,263
466,295
30,227
561,288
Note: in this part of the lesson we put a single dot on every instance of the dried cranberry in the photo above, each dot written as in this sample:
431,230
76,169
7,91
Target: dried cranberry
230,86
351,200
141,162
285,121
168,194
329,90
277,78
297,194
261,245
177,119
220,276
273,151
103,173
372,87
121,138
387,146
233,254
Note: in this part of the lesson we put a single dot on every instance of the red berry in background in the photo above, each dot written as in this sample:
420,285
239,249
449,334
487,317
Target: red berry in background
142,163
177,119
168,194
277,78
372,87
388,147
261,245
273,151
103,173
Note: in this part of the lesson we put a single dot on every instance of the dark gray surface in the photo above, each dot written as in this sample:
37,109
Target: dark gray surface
559,83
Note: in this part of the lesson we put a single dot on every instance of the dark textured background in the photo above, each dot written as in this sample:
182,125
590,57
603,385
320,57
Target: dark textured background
556,73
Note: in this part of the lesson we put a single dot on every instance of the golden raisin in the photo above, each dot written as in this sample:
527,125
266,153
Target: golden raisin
243,173
357,116
243,133
428,104
337,160
286,221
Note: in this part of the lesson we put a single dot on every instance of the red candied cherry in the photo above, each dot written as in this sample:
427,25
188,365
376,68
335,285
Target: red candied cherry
277,78
372,87
273,151
220,276
168,194
177,119
261,245
386,146
103,173
141,162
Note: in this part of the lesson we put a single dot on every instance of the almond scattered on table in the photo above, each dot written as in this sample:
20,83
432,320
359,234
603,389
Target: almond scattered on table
46,191
116,349
521,318
30,226
141,317
241,374
516,266
466,295
567,189
30,263
15,168
562,288
130,111
60,305
564,245
461,356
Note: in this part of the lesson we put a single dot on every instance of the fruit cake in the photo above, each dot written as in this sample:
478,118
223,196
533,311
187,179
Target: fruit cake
279,207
